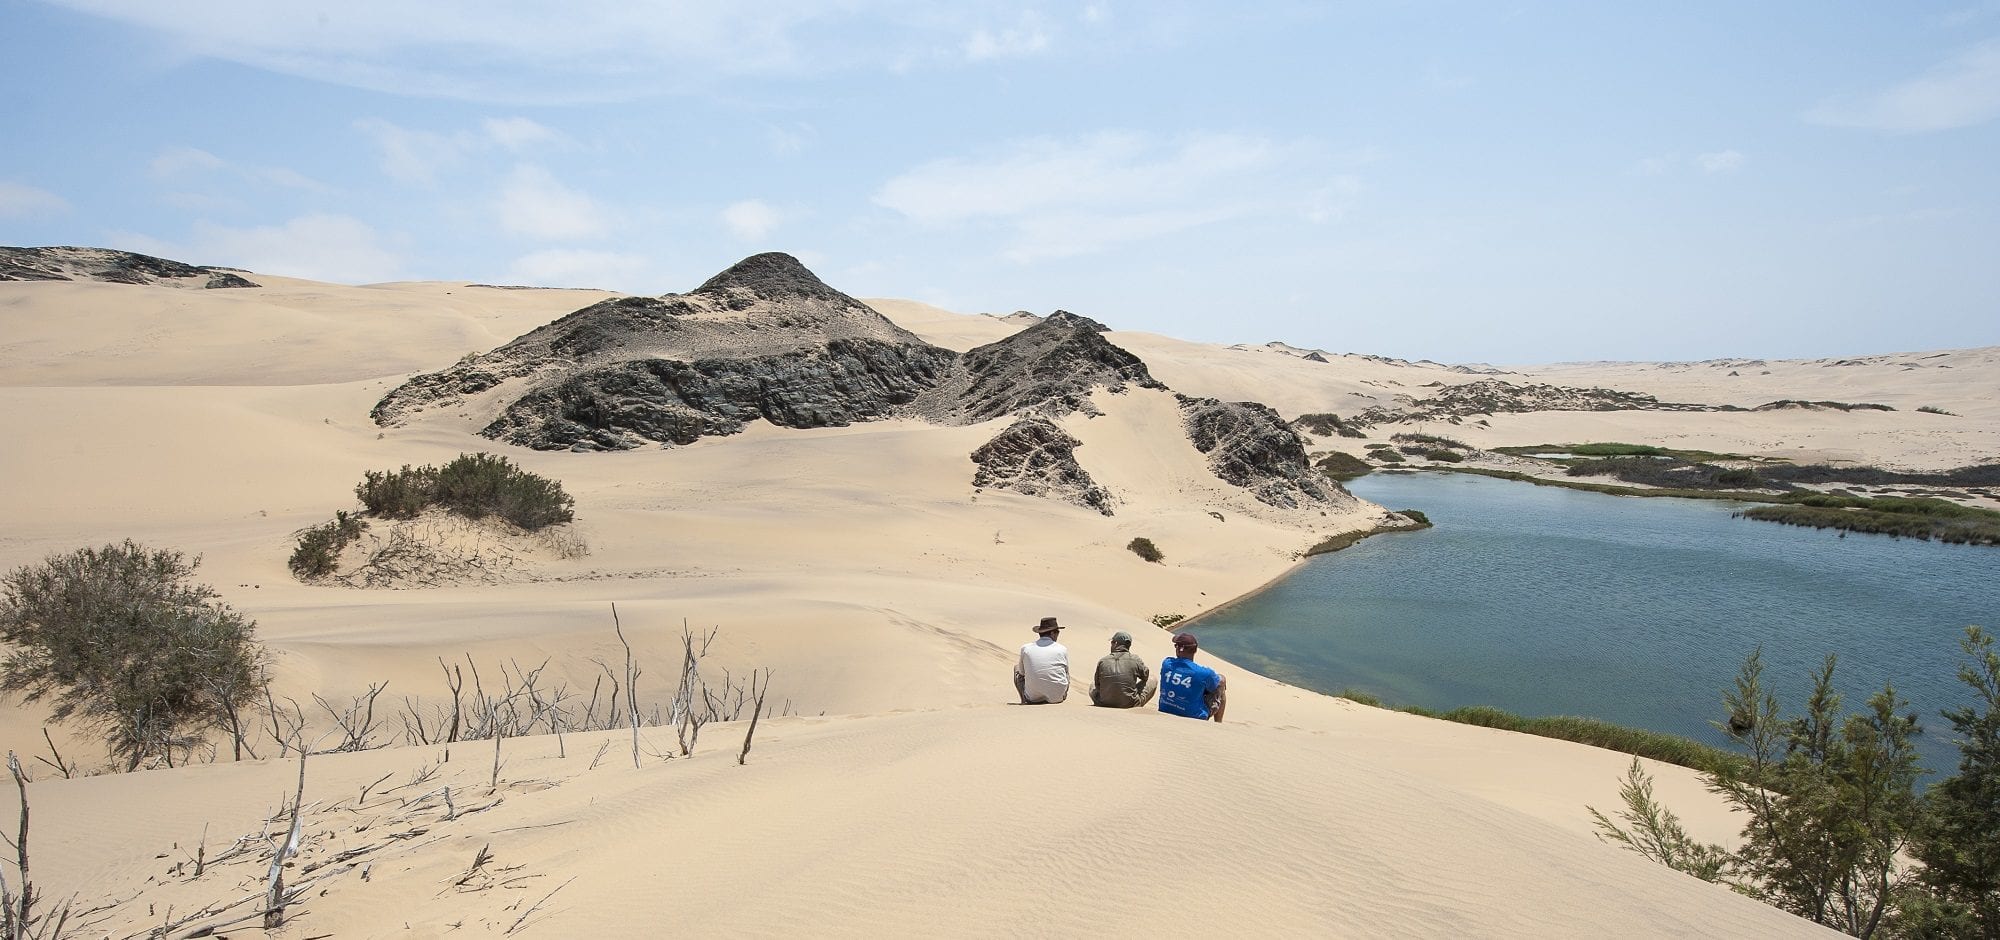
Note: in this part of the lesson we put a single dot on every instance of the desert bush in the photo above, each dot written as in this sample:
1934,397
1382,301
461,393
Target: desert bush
1414,514
397,494
1343,466
318,551
121,638
1325,423
1145,549
1431,439
1386,456
1935,410
474,486
1164,621
1443,455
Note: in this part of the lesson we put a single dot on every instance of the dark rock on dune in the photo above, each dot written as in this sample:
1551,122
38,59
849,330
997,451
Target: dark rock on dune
1035,457
620,406
1493,396
1049,368
1250,446
763,339
104,264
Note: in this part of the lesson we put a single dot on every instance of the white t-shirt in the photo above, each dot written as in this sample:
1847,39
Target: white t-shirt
1045,668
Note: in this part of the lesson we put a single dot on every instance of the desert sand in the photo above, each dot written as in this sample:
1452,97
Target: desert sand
898,791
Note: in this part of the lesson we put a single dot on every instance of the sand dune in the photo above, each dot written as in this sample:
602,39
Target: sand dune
903,795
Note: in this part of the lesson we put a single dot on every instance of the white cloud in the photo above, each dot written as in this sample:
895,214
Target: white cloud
518,133
334,248
536,204
179,162
1961,92
1069,197
1721,161
1025,38
571,267
751,219
790,139
585,50
416,156
1329,203
20,201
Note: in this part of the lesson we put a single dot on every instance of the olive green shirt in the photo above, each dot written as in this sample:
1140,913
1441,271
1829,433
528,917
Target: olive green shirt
1123,681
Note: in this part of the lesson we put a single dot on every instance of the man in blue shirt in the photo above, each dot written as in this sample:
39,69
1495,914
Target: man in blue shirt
1187,689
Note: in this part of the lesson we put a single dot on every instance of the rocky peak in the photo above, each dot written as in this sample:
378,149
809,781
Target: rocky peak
1049,368
771,275
1248,445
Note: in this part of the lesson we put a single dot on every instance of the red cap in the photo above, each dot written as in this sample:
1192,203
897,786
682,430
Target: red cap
1184,641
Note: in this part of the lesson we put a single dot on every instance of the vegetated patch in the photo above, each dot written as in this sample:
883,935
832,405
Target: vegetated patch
1343,466
1935,410
1145,549
1387,455
1670,748
1343,540
1164,621
1444,454
1432,440
424,545
1616,449
1785,403
1325,423
1921,518
1673,472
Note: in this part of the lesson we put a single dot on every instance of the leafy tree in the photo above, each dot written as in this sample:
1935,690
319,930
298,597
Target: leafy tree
1960,845
120,638
1831,802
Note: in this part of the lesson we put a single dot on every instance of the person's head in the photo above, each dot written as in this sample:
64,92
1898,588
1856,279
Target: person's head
1048,628
1121,641
1185,645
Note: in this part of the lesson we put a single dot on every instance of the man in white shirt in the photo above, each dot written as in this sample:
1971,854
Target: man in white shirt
1042,675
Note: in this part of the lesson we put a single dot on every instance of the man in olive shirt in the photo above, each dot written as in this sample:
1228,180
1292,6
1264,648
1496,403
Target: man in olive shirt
1123,680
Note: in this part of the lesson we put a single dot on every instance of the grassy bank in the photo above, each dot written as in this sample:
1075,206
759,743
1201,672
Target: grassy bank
1670,748
1347,539
1909,517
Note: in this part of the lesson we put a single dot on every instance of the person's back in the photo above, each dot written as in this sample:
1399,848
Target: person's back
1187,688
1123,680
1042,674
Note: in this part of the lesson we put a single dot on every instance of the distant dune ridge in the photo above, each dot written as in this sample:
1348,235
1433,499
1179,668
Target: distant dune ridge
875,499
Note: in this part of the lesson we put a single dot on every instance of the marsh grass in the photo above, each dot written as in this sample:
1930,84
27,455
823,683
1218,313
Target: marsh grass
1672,749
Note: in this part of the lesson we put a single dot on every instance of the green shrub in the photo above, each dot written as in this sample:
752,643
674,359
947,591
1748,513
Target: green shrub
1164,621
397,494
1415,514
1343,466
1431,439
318,552
1935,410
474,486
120,638
1386,456
1442,455
1145,549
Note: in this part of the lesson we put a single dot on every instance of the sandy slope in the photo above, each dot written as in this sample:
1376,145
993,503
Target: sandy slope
887,594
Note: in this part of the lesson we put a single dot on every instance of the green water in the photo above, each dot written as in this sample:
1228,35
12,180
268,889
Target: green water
1548,601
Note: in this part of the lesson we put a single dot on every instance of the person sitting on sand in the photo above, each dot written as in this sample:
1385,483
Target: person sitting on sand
1123,680
1187,689
1042,675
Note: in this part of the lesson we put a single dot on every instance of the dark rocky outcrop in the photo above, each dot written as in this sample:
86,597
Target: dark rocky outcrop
763,339
1049,368
1035,457
104,264
1250,446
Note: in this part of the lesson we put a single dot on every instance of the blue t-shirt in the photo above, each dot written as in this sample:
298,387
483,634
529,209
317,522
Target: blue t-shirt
1183,683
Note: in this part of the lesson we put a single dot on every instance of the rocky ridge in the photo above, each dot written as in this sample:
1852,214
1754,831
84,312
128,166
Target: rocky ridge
1493,396
1250,446
1034,457
110,266
1049,368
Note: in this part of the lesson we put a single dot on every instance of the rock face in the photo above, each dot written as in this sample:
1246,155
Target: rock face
104,264
1035,457
1250,446
1049,369
763,339
1493,396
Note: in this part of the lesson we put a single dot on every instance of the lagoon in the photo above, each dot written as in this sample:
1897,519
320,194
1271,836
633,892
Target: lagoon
1639,611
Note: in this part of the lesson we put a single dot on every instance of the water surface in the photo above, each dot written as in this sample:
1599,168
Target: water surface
1549,601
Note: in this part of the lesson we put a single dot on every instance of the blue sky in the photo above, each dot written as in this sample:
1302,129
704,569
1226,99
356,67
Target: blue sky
1500,182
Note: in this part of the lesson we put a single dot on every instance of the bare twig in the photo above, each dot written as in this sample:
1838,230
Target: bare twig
760,690
274,891
535,907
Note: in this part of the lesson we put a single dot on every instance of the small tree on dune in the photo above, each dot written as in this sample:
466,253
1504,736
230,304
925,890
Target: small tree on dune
120,638
1960,843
